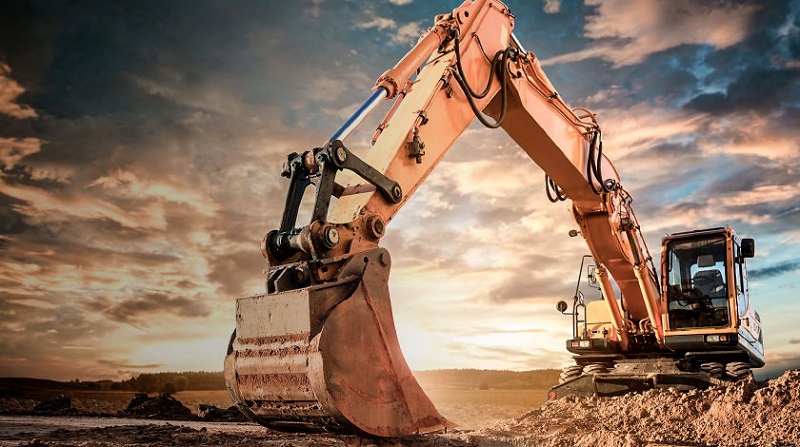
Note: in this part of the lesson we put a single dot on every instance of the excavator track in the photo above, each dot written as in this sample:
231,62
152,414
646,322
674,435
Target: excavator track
326,357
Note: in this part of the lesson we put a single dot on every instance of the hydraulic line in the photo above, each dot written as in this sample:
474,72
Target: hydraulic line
500,58
594,165
554,192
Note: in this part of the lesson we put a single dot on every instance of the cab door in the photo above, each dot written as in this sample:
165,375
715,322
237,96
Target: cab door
749,321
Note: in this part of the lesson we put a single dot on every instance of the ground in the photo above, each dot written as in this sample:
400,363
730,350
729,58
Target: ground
745,414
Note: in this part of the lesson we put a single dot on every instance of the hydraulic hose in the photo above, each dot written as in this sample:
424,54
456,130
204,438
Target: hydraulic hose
554,192
595,164
500,58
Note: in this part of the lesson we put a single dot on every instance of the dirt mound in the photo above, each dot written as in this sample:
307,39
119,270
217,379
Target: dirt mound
58,406
742,414
162,406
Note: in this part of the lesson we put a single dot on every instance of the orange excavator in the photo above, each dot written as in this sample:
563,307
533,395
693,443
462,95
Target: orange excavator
319,348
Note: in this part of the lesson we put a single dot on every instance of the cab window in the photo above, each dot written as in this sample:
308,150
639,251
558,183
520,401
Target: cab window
697,292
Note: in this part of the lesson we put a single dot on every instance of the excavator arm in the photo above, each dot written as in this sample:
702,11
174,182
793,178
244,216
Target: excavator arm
319,348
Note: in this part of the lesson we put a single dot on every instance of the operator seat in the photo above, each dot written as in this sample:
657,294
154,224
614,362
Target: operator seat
710,282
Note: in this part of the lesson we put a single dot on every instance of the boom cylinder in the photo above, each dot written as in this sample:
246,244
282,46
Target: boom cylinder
358,117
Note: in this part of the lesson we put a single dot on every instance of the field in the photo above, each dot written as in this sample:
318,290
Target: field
472,399
467,408
475,409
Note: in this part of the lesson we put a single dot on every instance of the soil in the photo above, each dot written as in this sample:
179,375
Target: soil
743,414
747,413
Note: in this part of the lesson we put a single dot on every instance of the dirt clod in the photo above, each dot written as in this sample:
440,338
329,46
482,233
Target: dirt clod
212,413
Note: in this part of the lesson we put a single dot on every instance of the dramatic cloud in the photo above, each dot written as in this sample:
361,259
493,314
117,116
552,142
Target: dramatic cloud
775,270
628,32
140,157
136,310
12,150
10,90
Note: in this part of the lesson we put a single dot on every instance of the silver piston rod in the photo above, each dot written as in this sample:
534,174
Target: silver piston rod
358,117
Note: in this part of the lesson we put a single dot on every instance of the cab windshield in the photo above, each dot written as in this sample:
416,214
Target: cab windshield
697,293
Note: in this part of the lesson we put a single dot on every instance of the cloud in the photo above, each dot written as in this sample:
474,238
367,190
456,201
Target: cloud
127,185
12,150
10,90
315,8
759,89
794,341
775,270
138,310
636,128
187,89
552,6
380,23
627,33
229,270
47,206
778,361
408,34
117,364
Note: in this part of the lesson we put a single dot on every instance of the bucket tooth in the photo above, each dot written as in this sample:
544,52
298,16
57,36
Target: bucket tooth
327,356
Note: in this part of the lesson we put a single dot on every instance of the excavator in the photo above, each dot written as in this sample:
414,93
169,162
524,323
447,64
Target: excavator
318,350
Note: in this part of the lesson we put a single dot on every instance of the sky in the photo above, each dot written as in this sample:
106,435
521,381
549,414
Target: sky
141,145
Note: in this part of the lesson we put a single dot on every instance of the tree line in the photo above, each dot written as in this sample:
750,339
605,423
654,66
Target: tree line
171,382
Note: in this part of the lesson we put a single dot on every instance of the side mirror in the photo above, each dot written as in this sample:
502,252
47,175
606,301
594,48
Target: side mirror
562,306
748,248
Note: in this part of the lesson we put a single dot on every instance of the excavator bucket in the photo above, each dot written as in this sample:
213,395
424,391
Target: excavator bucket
327,357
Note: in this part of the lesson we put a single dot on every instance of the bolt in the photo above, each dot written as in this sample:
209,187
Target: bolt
384,259
341,154
397,193
330,237
376,227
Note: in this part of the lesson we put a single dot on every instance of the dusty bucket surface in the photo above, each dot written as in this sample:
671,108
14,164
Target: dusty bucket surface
327,356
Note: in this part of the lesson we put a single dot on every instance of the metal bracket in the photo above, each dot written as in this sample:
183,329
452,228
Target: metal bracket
300,178
342,158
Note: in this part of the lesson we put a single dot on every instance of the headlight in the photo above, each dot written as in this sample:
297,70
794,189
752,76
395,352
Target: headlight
581,343
717,338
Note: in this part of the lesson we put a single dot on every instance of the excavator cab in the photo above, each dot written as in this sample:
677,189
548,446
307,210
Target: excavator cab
704,274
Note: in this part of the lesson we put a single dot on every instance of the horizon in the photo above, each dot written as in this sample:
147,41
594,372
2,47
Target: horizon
141,148
759,376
